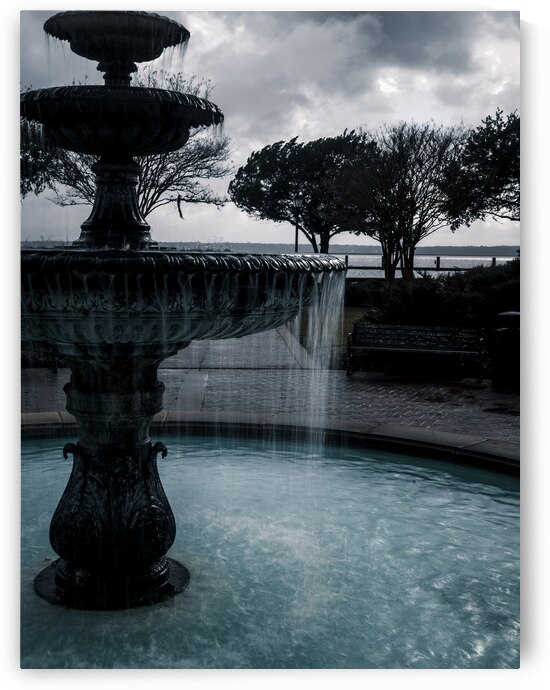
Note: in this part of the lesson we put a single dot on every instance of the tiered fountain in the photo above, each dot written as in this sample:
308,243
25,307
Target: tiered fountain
114,306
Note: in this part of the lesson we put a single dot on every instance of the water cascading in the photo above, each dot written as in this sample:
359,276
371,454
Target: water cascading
114,307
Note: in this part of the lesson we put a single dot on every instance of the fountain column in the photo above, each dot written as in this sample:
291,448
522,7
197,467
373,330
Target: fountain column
115,220
113,525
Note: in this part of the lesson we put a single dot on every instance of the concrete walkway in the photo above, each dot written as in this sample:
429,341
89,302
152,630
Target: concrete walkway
268,378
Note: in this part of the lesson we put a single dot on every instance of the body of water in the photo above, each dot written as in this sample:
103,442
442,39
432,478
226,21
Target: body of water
422,262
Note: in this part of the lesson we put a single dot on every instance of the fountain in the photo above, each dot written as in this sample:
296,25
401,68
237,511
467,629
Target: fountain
114,307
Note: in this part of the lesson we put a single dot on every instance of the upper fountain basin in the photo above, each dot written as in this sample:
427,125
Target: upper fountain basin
117,121
123,36
81,303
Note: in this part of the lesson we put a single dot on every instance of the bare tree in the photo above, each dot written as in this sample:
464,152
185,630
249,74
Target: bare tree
423,152
367,194
391,188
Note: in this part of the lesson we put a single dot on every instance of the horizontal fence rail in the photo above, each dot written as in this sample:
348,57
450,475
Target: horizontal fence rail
437,268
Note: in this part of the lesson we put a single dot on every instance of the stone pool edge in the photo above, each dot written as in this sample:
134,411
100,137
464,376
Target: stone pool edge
467,449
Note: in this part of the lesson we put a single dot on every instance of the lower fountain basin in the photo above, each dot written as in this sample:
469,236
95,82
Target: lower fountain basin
298,559
153,303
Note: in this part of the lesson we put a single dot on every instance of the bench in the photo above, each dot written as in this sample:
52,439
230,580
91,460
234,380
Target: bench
372,345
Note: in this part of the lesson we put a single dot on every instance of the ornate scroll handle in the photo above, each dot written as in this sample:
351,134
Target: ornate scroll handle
69,448
159,447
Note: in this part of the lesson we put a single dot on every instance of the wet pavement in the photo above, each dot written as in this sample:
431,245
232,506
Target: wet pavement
270,374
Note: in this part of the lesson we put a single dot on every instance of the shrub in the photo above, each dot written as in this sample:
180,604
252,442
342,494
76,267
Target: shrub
470,298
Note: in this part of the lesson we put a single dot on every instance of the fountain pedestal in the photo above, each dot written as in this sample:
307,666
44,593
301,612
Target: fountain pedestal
115,220
113,525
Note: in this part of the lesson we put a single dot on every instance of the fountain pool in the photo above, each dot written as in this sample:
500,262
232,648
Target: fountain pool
341,558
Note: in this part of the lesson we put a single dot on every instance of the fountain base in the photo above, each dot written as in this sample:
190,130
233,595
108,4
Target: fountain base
64,586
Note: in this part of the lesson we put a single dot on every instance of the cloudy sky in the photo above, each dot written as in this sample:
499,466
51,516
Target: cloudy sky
310,74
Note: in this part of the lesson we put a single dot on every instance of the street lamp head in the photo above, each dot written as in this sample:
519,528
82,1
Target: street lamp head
297,202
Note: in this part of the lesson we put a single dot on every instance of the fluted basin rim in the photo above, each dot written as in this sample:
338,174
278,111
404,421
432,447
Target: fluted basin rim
205,111
116,35
56,25
158,261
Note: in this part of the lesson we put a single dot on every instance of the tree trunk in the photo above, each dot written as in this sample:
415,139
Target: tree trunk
389,271
310,237
407,263
325,240
389,262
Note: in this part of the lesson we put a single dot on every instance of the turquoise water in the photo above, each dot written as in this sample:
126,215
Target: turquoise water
346,559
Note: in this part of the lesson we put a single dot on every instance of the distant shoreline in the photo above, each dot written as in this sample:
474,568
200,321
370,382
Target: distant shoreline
272,248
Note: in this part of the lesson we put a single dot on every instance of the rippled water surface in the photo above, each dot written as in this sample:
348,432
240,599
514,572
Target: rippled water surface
343,559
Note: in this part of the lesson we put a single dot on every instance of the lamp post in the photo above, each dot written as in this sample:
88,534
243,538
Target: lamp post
296,205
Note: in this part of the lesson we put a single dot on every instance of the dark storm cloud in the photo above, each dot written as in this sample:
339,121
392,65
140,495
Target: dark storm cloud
340,51
434,40
271,67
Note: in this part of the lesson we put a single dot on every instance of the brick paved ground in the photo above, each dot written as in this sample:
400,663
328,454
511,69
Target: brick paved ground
266,373
465,407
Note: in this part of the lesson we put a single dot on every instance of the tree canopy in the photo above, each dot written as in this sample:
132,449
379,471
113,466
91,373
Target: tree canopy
274,178
391,187
485,179
175,178
386,184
